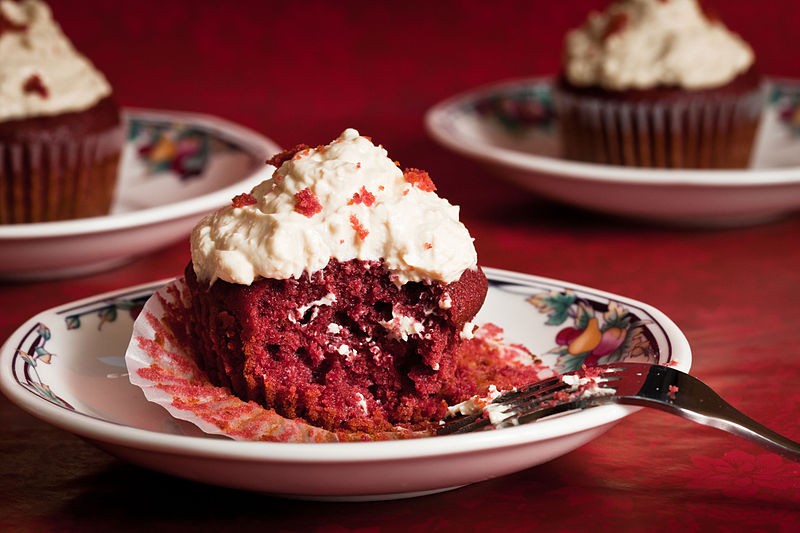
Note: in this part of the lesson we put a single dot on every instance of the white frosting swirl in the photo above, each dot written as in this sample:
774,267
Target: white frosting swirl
641,44
41,73
368,210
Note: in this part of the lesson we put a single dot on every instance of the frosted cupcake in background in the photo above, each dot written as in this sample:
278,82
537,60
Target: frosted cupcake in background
658,83
60,129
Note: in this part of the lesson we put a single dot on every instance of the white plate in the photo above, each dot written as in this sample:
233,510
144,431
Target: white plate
199,165
66,366
511,128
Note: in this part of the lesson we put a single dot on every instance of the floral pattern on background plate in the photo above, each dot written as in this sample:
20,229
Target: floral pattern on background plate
522,108
786,101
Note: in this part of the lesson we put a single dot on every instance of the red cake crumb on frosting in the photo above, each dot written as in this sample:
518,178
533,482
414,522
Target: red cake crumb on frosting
361,231
307,203
362,197
34,84
279,158
242,200
420,179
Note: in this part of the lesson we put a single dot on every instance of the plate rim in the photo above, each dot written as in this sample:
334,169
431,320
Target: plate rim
160,213
109,432
437,116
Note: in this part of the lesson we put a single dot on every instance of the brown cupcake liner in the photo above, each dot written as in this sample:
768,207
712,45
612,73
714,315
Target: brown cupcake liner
702,133
43,181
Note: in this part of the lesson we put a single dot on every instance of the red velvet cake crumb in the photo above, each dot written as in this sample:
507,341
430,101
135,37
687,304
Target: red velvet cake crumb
278,159
362,197
616,25
359,228
243,200
307,203
419,179
34,84
710,14
591,372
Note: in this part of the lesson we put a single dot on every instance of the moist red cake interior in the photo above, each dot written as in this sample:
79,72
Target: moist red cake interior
344,348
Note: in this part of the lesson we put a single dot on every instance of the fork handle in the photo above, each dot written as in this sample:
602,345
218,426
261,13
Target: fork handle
696,401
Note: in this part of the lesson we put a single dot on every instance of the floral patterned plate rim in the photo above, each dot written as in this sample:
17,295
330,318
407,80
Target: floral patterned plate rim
66,366
510,126
175,168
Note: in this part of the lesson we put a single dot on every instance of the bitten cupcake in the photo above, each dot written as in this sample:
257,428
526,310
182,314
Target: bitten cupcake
658,83
342,292
60,128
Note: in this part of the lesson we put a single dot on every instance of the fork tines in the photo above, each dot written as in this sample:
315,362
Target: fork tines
507,407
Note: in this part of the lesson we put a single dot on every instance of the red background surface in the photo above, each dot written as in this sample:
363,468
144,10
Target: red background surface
302,72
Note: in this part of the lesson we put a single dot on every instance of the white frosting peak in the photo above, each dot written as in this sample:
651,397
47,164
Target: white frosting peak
41,73
346,200
641,44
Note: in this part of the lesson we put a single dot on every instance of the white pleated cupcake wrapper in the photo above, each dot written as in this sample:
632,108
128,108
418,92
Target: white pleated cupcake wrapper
41,167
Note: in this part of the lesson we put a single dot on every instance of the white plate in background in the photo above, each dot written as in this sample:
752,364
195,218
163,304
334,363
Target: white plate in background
510,127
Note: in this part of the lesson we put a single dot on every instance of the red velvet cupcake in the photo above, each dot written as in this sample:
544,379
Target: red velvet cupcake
338,292
60,128
658,83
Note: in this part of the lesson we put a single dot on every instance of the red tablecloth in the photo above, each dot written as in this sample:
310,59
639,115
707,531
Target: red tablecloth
302,72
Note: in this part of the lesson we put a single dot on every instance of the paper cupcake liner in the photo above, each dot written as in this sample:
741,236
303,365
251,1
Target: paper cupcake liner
710,132
160,362
43,181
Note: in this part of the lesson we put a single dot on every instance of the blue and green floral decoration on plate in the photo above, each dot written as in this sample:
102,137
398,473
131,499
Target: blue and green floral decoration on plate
33,351
785,99
520,108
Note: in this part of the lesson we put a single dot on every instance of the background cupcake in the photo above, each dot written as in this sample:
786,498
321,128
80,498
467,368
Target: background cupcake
60,129
658,83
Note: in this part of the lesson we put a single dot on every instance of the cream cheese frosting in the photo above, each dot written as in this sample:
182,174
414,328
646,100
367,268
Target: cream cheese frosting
641,44
347,200
41,73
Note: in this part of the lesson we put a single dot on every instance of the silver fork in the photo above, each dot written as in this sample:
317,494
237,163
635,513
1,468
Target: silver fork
656,386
